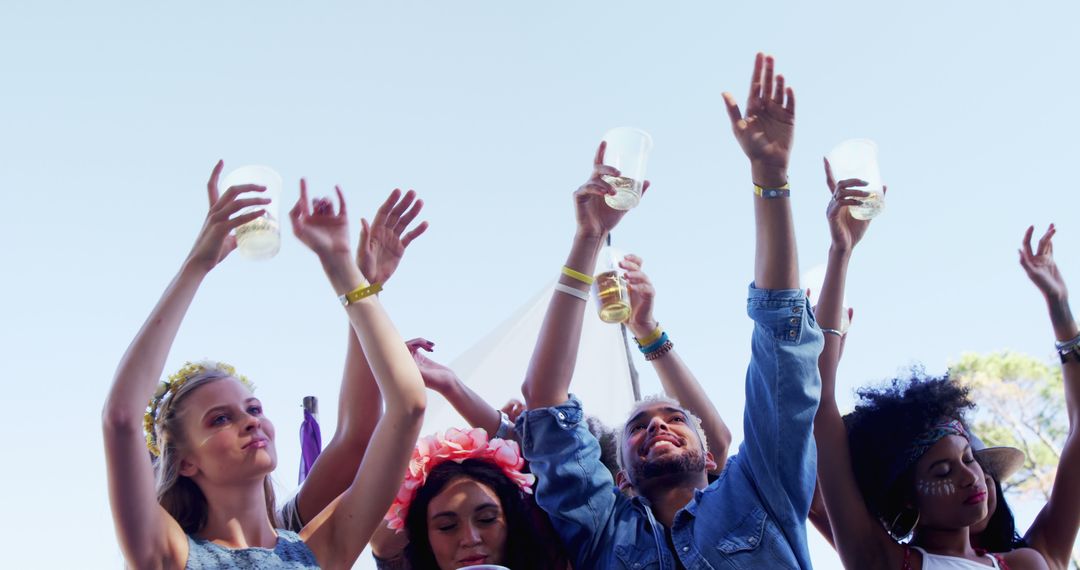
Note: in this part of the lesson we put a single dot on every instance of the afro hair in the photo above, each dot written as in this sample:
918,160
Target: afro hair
885,423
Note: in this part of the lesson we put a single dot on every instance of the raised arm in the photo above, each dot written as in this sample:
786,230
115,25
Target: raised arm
547,381
766,134
339,533
149,537
439,377
857,535
677,379
382,245
1054,530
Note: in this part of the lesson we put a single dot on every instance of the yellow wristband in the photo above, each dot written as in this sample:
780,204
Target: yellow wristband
781,192
586,279
359,293
653,337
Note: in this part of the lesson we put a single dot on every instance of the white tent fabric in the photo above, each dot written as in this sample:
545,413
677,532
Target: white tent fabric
495,366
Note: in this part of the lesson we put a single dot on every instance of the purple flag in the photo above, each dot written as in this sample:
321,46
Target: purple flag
310,444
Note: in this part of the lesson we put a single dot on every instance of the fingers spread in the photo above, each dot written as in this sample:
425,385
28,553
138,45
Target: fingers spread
778,95
409,217
733,111
767,82
1044,242
790,105
755,80
829,180
212,184
399,208
415,233
1026,243
341,200
599,158
387,205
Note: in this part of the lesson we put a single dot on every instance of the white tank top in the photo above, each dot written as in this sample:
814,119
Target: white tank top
939,562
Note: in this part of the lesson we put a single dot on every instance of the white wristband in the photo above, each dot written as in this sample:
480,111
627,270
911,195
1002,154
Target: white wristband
583,295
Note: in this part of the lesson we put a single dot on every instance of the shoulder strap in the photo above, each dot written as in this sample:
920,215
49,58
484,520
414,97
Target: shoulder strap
907,558
1002,565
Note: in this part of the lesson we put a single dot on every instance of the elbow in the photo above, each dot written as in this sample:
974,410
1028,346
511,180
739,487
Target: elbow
415,405
118,419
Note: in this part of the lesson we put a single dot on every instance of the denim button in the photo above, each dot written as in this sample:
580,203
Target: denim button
686,549
792,334
796,310
752,539
561,415
794,320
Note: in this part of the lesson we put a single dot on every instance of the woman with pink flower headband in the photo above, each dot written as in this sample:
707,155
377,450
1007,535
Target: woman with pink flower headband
466,501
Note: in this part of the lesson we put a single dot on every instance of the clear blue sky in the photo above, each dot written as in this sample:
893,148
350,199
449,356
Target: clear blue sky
113,113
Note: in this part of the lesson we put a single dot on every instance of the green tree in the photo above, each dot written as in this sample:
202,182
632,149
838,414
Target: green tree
1021,404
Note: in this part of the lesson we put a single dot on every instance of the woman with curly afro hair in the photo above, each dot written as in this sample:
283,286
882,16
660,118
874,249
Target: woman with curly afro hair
901,464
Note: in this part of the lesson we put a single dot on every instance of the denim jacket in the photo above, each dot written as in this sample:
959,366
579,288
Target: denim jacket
753,516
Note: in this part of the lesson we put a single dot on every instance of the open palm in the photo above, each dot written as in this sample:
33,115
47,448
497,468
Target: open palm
323,231
382,244
1040,266
767,130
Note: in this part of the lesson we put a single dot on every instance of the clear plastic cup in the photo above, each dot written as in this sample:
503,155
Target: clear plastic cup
628,150
858,158
261,237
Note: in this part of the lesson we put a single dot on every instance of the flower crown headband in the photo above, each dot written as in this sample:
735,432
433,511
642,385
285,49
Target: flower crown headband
169,387
455,445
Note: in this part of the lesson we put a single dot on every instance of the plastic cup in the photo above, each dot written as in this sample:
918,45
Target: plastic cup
628,150
858,158
261,237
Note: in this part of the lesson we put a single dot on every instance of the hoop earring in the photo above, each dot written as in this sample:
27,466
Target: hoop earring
900,531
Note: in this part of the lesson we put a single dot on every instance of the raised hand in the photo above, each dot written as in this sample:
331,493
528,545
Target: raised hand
381,242
766,132
594,217
215,240
642,293
436,376
845,229
318,227
1040,266
513,409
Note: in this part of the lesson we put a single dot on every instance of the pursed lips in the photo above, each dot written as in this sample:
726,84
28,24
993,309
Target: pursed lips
257,440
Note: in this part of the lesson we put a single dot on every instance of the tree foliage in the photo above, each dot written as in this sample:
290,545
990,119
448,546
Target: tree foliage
1021,403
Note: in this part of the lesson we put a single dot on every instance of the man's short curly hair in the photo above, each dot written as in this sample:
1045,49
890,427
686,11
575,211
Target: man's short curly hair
886,422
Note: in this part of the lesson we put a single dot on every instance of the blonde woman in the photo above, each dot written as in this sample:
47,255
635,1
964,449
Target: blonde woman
204,500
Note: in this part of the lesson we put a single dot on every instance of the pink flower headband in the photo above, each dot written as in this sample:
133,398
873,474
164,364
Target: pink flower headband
455,445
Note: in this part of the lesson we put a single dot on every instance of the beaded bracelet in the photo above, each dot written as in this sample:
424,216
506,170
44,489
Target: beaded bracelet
655,345
664,349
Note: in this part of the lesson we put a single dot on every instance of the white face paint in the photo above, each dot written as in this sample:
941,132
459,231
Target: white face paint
935,488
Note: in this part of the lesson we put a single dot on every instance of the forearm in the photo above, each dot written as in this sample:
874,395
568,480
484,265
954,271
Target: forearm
776,264
829,312
473,408
140,368
359,410
679,383
359,401
1065,328
391,364
547,381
